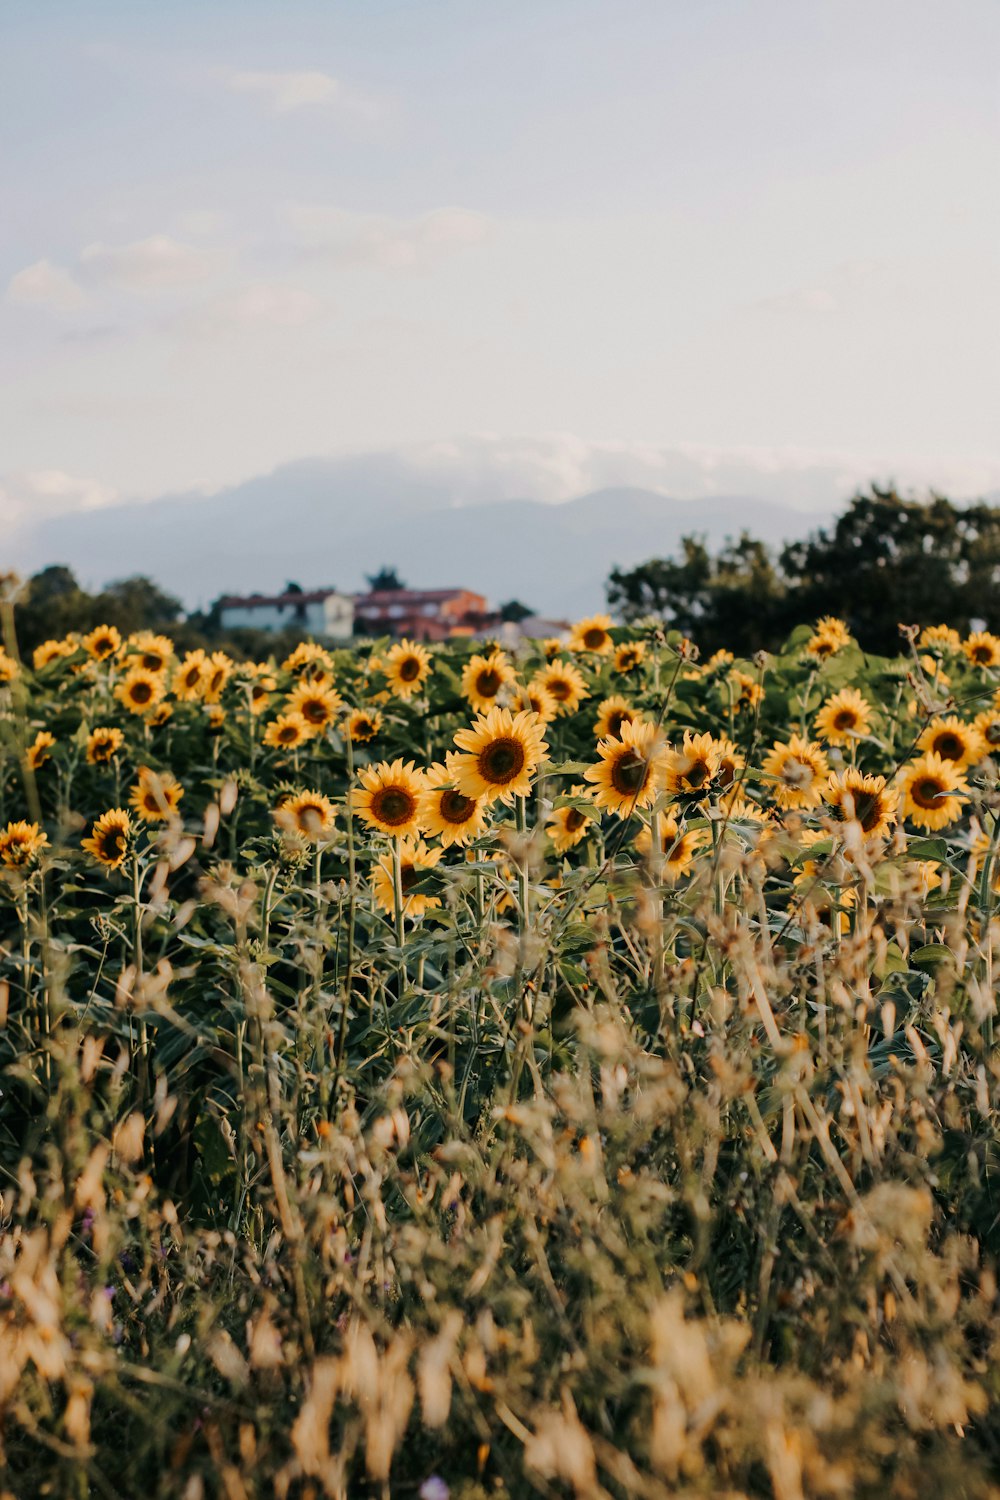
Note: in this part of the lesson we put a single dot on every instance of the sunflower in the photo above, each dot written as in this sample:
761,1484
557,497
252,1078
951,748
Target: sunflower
628,769
20,844
319,706
592,635
537,700
941,635
982,649
160,714
216,717
260,689
928,785
39,751
155,795
309,657
218,669
676,850
987,726
8,667
484,677
629,656
501,754
563,682
189,678
731,763
363,726
718,659
407,667
568,826
749,692
799,770
102,642
690,770
286,732
953,740
110,839
152,651
388,798
447,813
415,860
853,796
50,651
932,668
103,744
844,717
612,713
308,814
140,689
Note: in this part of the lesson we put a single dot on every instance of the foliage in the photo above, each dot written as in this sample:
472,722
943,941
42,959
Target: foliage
886,560
635,1169
385,578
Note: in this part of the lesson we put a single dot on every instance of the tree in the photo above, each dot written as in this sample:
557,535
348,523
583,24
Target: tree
514,610
385,579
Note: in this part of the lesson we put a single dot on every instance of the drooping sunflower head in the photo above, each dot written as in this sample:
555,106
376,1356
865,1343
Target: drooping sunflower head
388,798
854,797
156,795
484,678
140,689
447,813
364,725
286,732
110,838
40,749
218,670
942,637
407,667
719,659
416,864
953,740
159,715
691,770
564,682
190,676
592,634
309,815
50,651
318,706
982,649
675,849
747,691
845,717
568,826
21,844
154,652
102,642
103,745
259,689
629,656
552,647
627,773
310,659
612,713
798,770
929,785
501,753
731,763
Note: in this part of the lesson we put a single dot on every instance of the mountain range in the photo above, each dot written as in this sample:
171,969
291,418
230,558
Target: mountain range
322,524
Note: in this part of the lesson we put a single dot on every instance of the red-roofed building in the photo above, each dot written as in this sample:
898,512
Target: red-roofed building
419,614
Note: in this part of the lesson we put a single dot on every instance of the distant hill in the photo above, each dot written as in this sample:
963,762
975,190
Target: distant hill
323,522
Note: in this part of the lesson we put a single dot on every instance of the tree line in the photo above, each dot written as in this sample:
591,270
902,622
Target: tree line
886,561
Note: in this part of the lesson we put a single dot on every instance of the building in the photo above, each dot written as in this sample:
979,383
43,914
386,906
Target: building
316,612
419,614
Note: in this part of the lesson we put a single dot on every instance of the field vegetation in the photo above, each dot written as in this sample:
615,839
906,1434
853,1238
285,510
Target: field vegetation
436,1072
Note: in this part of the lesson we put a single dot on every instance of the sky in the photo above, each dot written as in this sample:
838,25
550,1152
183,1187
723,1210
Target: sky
237,234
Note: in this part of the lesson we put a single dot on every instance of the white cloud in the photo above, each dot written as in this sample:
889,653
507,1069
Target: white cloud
352,239
258,304
156,264
284,92
46,285
34,494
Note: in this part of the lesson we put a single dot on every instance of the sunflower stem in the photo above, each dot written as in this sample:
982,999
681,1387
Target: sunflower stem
521,818
397,901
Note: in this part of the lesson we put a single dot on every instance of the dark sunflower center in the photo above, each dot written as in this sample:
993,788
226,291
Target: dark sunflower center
310,816
992,735
488,683
982,654
698,774
845,719
363,729
393,805
560,688
112,843
141,692
867,809
315,710
501,761
926,791
191,676
629,772
617,719
574,819
152,661
593,638
409,669
409,876
454,807
288,734
949,745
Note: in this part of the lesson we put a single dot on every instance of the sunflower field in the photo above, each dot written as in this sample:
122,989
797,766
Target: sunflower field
442,1071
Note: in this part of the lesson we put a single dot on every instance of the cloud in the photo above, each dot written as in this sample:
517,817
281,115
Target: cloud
156,264
285,92
258,304
351,239
46,285
36,494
